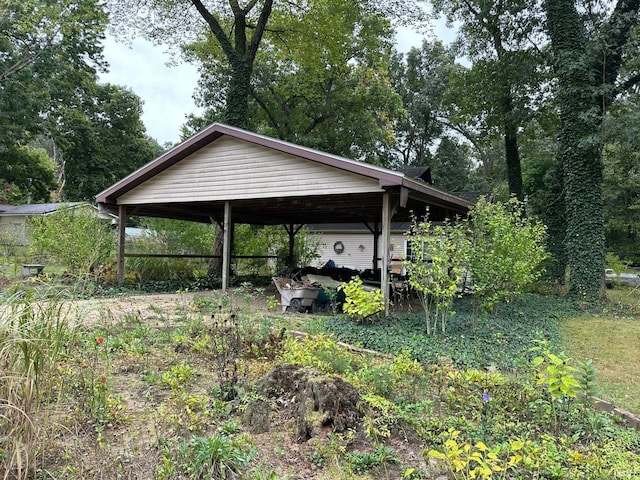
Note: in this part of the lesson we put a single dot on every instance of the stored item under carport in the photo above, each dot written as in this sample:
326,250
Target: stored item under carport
296,296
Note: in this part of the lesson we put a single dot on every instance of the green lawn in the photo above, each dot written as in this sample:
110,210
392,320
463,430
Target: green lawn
612,340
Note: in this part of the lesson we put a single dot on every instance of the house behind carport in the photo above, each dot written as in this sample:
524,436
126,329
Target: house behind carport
228,175
14,218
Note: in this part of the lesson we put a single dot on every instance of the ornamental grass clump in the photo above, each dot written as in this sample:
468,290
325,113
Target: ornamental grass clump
33,335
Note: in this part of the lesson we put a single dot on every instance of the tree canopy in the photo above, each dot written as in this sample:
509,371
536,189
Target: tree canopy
101,138
540,107
50,97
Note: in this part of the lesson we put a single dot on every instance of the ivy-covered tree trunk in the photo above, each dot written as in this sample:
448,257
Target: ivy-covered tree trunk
587,70
579,150
236,113
555,219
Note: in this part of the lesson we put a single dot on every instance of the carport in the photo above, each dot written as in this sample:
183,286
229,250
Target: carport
232,176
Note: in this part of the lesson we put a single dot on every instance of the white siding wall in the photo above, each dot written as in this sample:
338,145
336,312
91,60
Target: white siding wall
352,255
231,169
12,229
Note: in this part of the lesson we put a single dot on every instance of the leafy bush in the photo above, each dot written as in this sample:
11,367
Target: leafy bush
80,240
359,302
436,267
614,262
507,252
321,352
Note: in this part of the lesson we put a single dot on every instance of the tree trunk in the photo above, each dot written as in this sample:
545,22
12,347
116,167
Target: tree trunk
555,219
236,115
237,110
241,53
579,150
512,154
215,265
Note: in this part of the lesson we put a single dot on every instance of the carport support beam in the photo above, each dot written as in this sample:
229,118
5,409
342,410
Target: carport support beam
226,246
292,230
386,240
122,223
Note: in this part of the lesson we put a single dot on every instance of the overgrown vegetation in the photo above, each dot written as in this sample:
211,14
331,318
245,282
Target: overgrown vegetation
137,394
360,303
503,340
79,240
436,268
165,236
34,337
498,252
507,252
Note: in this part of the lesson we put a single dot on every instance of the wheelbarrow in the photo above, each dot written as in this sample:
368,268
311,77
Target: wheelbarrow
295,296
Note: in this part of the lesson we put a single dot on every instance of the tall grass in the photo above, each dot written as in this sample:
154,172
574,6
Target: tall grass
33,335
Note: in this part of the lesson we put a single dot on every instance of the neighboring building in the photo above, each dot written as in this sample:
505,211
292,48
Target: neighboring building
351,245
13,218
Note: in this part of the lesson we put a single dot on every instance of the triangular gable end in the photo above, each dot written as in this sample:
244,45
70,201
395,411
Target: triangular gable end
233,169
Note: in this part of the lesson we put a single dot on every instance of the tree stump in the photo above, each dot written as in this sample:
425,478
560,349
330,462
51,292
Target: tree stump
315,400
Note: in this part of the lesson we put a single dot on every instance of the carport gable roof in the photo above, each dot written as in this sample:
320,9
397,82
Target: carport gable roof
197,209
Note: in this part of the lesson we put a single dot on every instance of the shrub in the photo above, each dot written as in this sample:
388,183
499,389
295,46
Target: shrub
320,352
436,267
507,252
359,302
80,240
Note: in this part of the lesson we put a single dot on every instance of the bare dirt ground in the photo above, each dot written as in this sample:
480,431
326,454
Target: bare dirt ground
89,312
171,306
147,415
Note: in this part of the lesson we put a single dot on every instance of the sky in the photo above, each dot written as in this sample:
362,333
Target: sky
167,91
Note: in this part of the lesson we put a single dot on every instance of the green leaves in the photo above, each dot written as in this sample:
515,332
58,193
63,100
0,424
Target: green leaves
436,266
79,239
359,302
556,373
500,250
102,138
507,253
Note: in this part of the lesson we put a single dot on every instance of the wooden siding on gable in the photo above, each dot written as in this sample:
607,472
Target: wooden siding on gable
232,169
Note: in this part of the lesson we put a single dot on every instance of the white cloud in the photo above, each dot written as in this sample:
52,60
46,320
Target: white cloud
165,90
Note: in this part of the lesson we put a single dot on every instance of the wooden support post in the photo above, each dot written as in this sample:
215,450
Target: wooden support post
386,240
226,247
376,253
122,222
292,230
